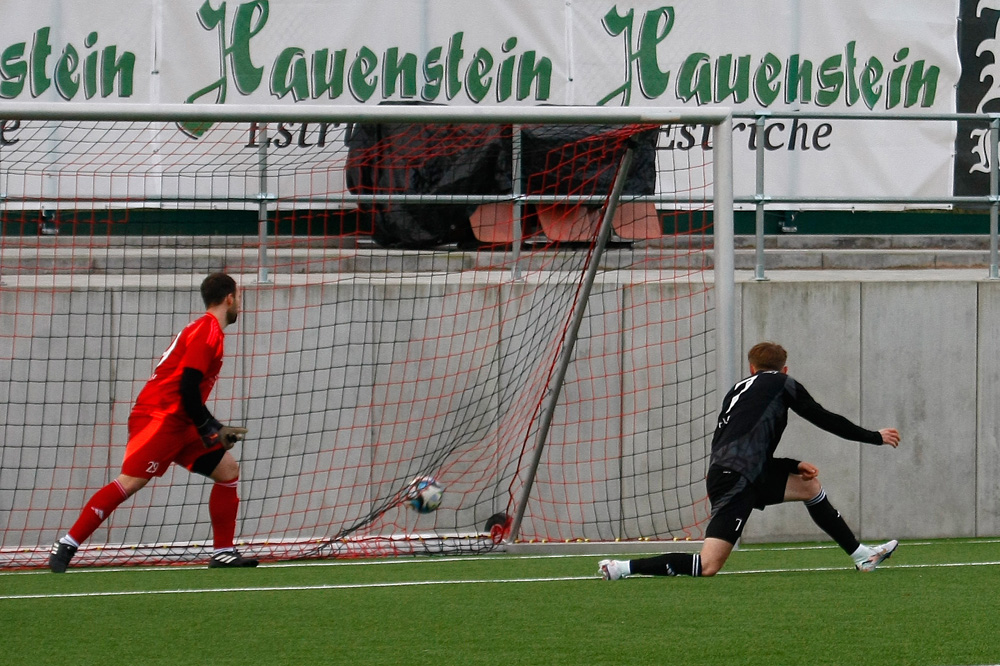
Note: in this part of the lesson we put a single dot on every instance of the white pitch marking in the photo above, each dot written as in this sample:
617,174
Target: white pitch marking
487,581
883,567
461,558
293,588
435,559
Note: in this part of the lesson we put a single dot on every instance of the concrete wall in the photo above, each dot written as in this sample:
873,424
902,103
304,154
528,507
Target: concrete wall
916,350
349,386
912,350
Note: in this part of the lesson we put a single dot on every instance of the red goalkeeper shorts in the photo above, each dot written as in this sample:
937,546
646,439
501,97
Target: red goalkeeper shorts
156,440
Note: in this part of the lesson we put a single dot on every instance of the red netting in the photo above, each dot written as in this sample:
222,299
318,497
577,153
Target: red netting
407,290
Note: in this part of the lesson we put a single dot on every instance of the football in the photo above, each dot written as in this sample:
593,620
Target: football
425,494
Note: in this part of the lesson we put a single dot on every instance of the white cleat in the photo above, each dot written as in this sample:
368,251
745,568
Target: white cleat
612,569
879,554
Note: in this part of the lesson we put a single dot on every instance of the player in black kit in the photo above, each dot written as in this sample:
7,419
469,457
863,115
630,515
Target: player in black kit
743,473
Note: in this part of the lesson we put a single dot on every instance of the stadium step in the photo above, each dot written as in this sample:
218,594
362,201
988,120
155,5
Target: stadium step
117,256
826,252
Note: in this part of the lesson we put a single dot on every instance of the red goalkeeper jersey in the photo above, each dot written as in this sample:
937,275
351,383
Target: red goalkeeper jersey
198,346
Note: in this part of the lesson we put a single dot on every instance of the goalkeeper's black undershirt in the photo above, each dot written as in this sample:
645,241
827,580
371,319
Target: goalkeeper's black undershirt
190,390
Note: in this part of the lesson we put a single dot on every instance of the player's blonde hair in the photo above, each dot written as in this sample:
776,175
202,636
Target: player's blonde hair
767,356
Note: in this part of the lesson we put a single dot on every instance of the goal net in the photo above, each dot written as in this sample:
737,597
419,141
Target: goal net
524,304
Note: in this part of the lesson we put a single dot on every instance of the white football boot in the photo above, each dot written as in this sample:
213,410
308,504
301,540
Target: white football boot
877,556
613,569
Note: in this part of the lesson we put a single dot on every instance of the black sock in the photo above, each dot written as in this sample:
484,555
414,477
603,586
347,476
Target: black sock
671,564
829,520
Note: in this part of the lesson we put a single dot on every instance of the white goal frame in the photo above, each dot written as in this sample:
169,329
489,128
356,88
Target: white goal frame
722,188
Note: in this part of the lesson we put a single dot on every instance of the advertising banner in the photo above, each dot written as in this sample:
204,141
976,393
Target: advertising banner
870,57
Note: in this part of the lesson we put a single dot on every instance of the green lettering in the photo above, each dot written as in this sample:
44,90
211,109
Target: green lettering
895,93
393,68
290,74
327,80
871,88
13,71
433,74
90,68
40,51
67,82
477,81
831,80
726,85
455,54
695,79
250,20
851,62
112,67
798,80
528,73
505,77
363,67
616,23
918,82
656,25
251,17
765,89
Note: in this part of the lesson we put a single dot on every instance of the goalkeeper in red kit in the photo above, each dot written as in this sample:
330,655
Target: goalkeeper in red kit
170,423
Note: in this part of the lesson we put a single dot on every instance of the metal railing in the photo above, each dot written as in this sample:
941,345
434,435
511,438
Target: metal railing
760,199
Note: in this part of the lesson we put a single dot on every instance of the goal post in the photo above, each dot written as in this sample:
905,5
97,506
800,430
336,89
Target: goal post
534,305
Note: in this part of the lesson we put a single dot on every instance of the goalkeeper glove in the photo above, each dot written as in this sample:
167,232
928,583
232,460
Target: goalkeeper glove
230,435
213,433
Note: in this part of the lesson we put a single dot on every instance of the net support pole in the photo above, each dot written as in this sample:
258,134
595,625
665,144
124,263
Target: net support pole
724,243
566,354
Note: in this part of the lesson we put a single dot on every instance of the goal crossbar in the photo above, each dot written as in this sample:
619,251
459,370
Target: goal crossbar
382,113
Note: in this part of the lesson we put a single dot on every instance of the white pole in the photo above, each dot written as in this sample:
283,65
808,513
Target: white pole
725,275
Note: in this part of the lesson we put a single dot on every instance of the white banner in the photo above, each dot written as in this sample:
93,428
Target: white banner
864,56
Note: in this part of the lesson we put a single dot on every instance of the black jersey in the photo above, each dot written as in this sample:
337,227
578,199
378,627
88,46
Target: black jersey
755,413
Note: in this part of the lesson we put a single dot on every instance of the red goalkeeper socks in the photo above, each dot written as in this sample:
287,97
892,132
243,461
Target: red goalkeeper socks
97,510
223,503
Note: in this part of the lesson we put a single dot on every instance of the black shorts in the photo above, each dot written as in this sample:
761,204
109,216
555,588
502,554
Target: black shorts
734,497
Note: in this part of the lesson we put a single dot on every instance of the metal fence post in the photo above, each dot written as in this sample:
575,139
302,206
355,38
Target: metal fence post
517,189
263,271
994,201
3,235
759,199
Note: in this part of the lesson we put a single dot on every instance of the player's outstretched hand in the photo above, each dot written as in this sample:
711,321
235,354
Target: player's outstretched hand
808,471
890,436
230,435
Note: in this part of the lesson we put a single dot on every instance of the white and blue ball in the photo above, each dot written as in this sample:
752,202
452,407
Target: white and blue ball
425,494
